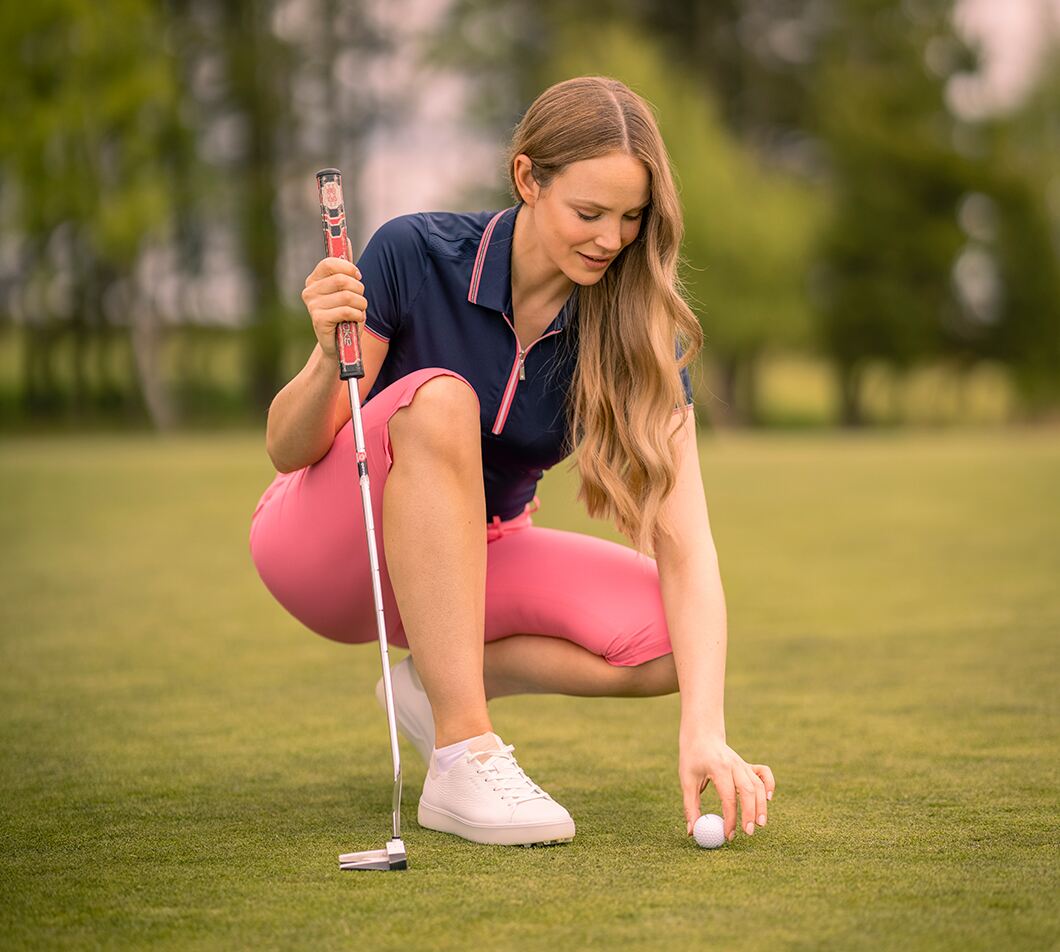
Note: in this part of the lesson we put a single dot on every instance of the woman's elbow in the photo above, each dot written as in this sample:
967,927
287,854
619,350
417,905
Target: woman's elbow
281,463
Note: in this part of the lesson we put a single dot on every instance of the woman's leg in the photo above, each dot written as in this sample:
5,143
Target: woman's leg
434,528
536,664
568,613
601,613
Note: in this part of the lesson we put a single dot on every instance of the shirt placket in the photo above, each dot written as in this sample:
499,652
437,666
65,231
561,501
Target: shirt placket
517,373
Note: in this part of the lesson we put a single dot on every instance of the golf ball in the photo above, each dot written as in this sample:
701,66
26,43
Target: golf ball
709,831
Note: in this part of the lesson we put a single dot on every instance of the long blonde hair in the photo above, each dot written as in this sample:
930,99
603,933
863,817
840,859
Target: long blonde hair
626,383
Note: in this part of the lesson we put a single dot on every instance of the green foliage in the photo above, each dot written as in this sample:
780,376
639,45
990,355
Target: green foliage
748,228
1021,178
88,92
892,236
1027,333
102,142
91,104
902,165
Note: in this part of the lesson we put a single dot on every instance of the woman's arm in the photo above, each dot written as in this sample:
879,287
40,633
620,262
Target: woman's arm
307,413
692,593
696,618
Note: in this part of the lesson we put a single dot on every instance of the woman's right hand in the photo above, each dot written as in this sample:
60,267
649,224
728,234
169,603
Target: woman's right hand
333,293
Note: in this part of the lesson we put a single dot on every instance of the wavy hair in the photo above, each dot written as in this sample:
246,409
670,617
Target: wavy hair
626,384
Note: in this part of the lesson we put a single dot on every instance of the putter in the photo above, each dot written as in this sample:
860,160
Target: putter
351,369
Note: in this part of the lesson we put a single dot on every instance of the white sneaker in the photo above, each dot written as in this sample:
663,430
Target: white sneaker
412,709
486,797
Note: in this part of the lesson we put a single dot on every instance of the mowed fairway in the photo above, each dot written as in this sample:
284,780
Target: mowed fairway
182,762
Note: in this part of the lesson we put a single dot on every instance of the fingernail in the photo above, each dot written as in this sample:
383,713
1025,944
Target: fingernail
762,820
750,829
769,795
732,836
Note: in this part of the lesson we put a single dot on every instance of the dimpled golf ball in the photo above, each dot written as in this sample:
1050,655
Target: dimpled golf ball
709,831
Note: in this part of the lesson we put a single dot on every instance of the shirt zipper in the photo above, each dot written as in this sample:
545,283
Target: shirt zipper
518,372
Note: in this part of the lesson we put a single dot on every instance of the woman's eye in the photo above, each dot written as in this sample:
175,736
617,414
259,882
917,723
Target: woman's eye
594,217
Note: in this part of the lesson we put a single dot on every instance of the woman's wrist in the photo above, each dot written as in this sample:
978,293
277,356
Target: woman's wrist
323,370
301,417
692,727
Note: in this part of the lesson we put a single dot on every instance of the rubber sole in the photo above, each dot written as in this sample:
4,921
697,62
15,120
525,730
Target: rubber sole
511,834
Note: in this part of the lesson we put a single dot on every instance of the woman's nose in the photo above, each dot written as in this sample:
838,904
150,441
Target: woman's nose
609,240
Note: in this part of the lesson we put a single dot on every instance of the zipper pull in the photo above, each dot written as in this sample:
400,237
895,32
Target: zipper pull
522,370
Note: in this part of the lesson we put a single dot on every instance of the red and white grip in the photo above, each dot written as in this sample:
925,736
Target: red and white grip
336,245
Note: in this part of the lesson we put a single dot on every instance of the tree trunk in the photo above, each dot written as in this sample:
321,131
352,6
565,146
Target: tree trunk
40,333
256,72
728,407
752,411
738,402
146,337
40,393
850,409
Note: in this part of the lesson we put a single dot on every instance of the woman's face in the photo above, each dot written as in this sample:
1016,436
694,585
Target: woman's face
592,210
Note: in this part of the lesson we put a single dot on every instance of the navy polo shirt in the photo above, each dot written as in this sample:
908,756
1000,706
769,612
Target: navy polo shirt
439,292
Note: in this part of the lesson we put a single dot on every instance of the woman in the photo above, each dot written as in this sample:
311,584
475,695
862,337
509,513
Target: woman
495,345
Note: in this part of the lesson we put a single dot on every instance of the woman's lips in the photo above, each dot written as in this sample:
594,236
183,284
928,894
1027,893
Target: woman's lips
595,263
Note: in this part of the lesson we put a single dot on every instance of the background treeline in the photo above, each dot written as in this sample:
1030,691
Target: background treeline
156,164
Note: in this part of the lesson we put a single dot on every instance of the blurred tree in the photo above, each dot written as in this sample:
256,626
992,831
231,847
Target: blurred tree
259,76
1014,220
938,247
1028,328
749,56
156,149
850,93
506,45
88,100
748,227
754,58
298,80
888,249
149,150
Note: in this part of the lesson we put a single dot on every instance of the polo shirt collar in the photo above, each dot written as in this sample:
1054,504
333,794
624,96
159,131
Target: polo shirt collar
491,275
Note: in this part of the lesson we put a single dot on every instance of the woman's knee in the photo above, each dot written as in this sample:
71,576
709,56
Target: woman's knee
442,417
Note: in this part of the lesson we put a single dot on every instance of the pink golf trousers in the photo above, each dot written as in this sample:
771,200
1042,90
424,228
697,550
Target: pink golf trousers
307,539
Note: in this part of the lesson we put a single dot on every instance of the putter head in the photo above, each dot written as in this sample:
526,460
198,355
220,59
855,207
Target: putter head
393,857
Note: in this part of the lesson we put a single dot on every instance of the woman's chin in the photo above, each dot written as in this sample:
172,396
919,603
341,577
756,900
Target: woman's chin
583,276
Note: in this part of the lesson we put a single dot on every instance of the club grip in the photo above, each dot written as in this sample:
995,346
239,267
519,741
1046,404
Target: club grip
336,245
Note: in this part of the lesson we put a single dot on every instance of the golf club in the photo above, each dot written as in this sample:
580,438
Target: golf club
351,369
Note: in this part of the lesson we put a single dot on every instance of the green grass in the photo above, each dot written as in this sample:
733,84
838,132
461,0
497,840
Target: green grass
182,762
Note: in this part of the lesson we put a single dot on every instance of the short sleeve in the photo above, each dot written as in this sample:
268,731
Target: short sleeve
393,269
686,379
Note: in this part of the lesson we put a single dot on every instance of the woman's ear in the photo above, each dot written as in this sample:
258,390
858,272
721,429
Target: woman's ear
524,179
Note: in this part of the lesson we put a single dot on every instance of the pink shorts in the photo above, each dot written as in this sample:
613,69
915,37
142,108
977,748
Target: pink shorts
307,539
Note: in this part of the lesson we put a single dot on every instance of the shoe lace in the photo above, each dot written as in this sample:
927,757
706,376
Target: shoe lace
505,775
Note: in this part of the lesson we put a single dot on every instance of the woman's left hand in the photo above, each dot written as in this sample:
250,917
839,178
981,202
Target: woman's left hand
705,758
